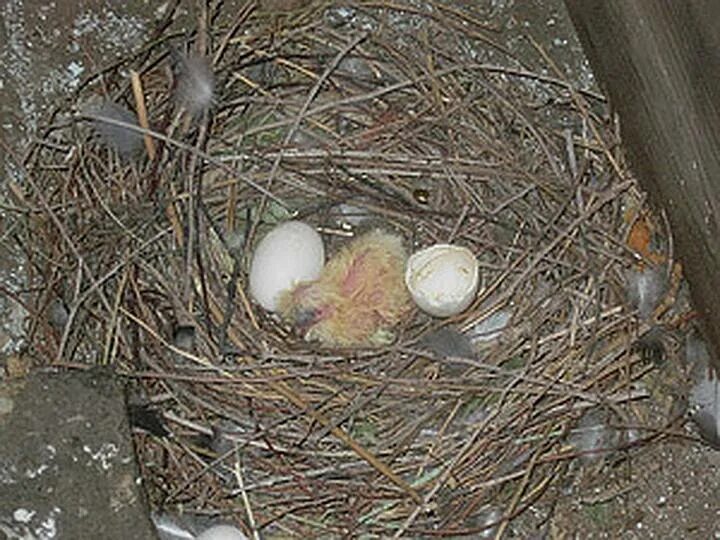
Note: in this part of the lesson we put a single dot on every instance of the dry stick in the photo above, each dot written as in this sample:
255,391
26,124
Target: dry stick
76,303
570,150
194,188
201,31
200,360
396,162
359,403
438,438
142,112
233,288
231,207
313,473
246,500
435,14
172,214
112,336
170,210
458,222
242,16
101,200
528,125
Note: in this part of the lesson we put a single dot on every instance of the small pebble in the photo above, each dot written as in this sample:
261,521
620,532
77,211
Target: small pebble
6,405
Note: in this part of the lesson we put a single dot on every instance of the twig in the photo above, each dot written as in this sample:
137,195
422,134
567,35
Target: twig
246,500
142,113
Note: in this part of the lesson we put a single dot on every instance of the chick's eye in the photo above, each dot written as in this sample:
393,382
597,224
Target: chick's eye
306,316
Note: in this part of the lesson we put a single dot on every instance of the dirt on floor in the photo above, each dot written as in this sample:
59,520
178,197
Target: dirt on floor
670,491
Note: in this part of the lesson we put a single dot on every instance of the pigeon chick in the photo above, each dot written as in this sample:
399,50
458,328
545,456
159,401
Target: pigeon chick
359,296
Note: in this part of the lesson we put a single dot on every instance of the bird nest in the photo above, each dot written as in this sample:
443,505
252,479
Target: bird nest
350,118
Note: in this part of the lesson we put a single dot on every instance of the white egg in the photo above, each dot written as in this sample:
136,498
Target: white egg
442,279
222,532
289,254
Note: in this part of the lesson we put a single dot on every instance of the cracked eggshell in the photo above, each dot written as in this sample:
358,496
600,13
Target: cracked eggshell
289,254
442,279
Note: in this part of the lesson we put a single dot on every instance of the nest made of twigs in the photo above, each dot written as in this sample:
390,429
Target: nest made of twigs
393,111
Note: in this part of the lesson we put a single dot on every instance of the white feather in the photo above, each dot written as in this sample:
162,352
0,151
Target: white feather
644,289
222,532
490,328
195,83
168,528
705,393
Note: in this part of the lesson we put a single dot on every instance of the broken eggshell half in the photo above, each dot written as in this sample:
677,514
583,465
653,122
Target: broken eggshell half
442,279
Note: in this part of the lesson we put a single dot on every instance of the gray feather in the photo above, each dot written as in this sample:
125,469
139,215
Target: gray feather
127,142
195,83
448,342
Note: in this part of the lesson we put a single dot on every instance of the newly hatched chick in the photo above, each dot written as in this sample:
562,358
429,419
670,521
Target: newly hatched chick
357,299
